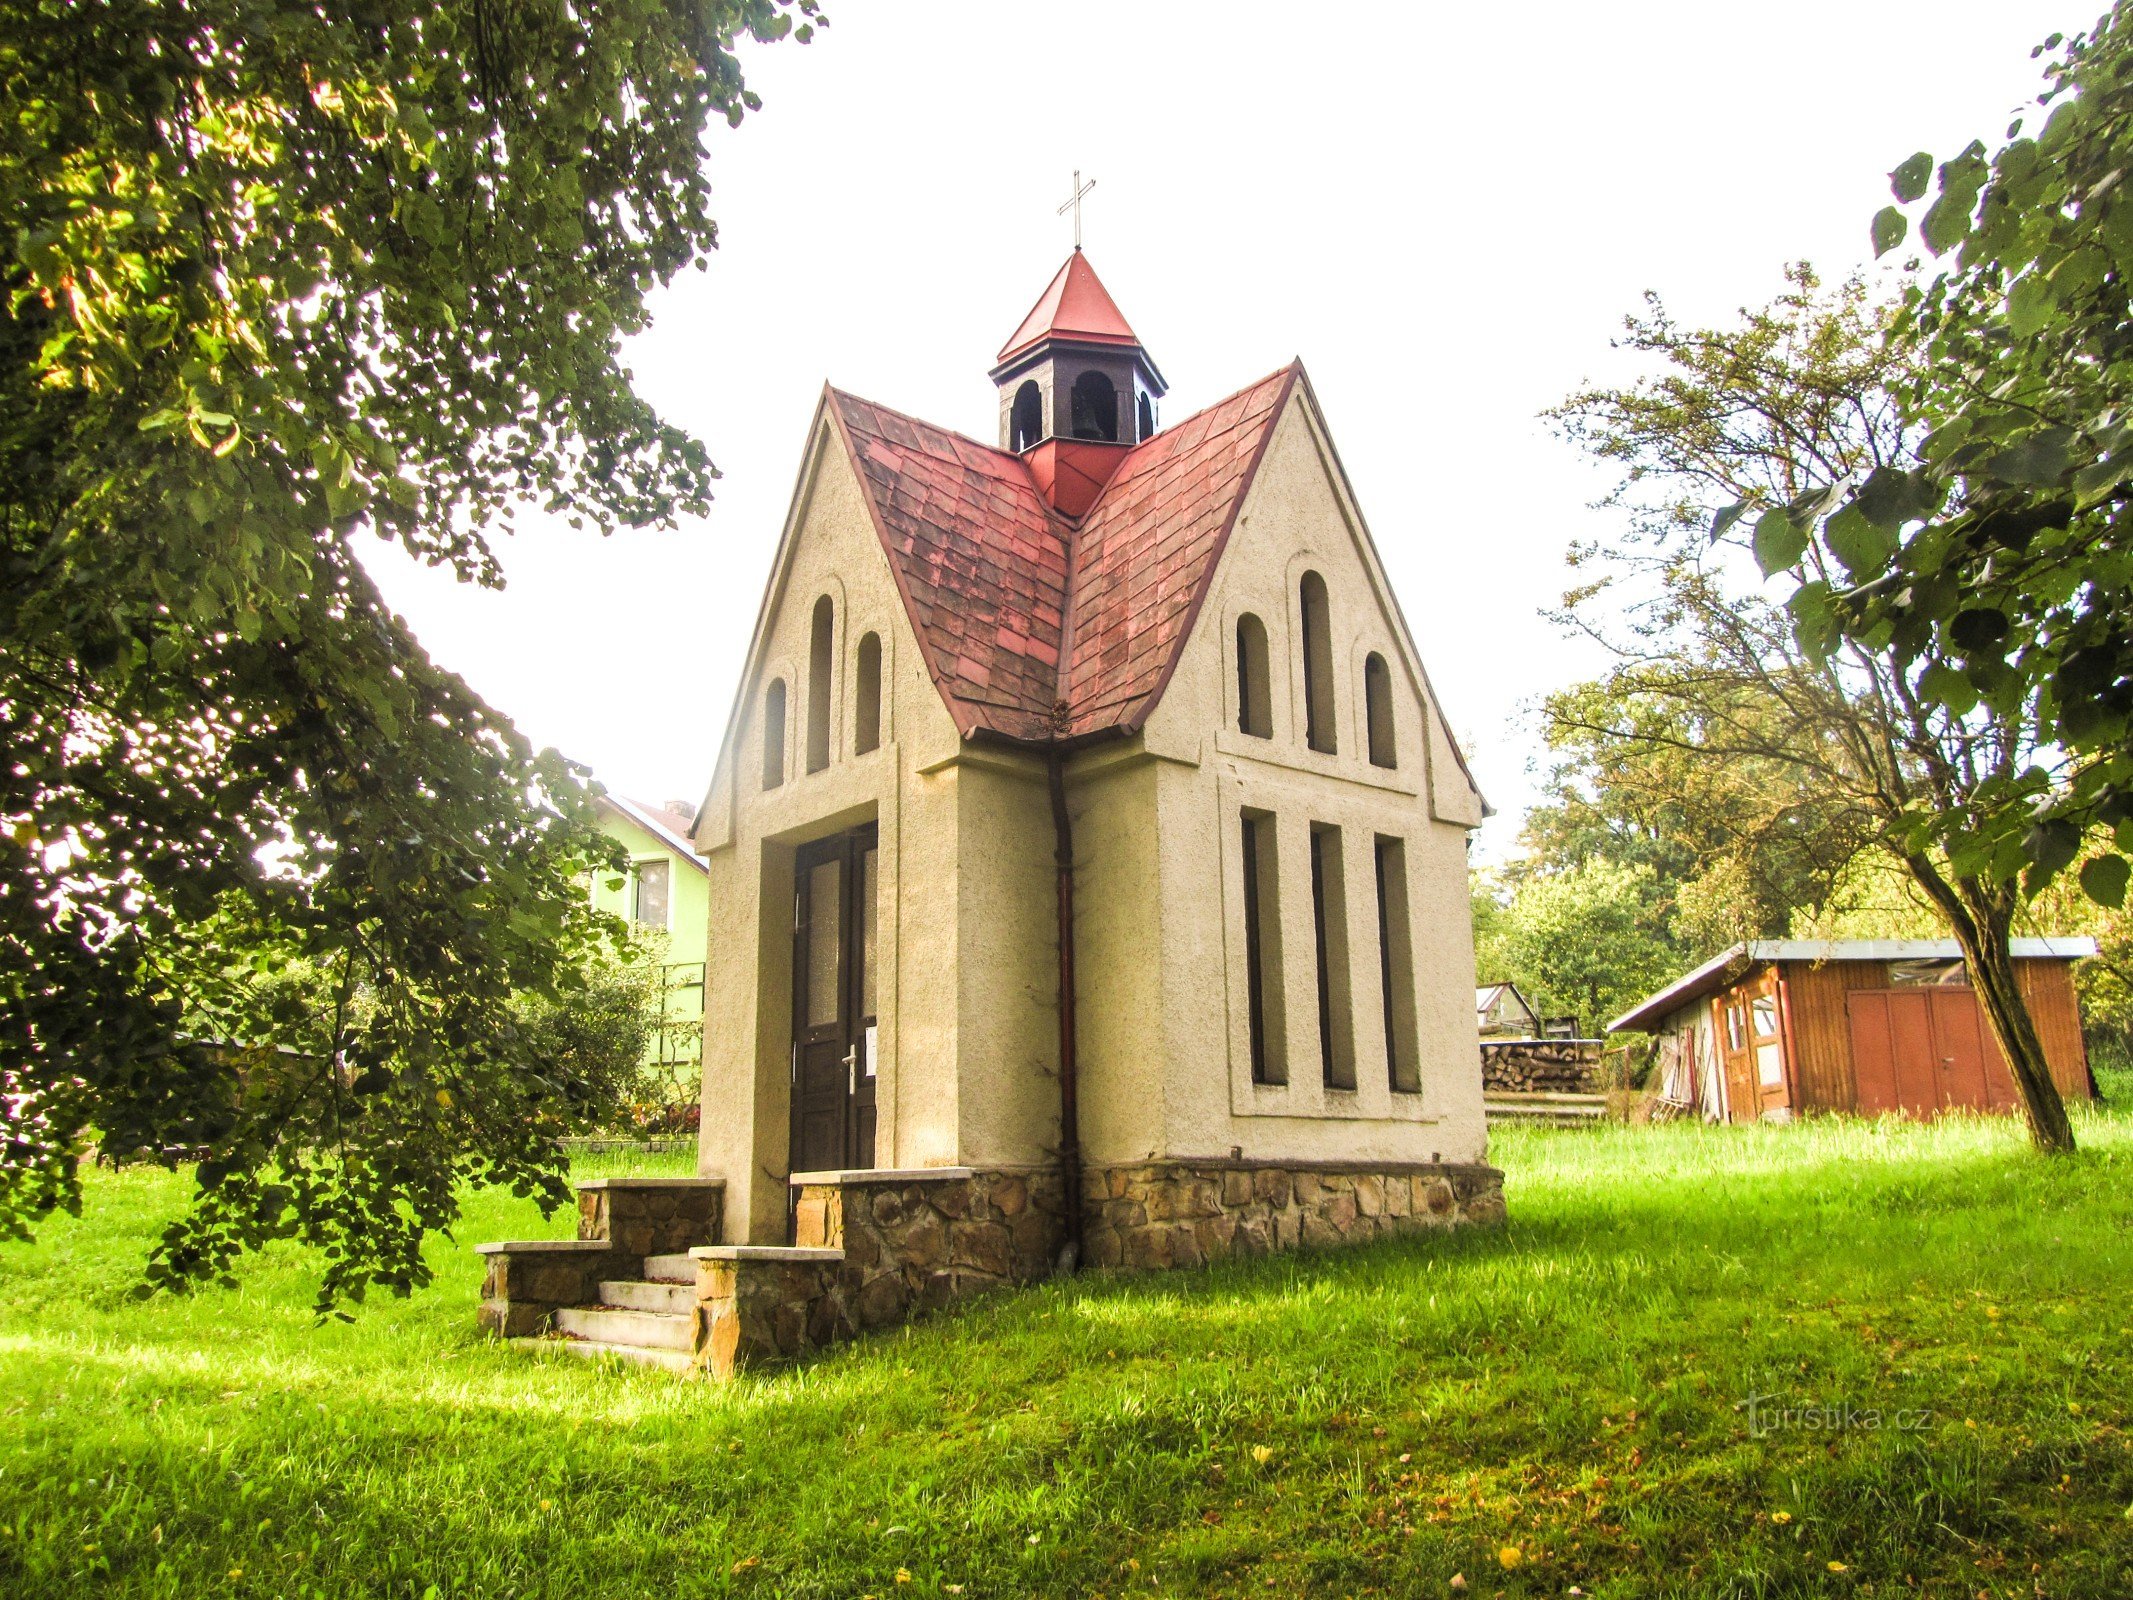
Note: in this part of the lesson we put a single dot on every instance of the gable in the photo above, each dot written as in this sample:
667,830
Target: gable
1299,515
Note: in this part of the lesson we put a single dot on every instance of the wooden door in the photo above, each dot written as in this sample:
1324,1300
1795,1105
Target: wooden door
1894,1066
834,1065
1729,1031
1766,1045
1923,1050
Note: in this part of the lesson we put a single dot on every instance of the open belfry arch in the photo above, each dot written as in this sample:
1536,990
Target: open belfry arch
1087,856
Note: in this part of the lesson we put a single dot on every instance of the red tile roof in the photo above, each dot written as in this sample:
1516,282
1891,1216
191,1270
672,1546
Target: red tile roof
1074,305
1035,627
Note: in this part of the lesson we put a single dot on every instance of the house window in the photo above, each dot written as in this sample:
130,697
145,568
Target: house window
1095,407
1025,421
866,696
818,685
1255,711
1318,666
1329,927
1377,709
1396,968
1262,951
1769,1054
1932,972
1145,415
774,734
654,883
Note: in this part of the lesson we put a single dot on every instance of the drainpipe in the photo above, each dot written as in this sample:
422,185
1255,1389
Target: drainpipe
1069,1107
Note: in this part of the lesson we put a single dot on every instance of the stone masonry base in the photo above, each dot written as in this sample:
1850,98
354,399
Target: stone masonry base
876,1248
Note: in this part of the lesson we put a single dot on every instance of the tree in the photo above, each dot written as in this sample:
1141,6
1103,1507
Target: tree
1738,845
1997,567
1589,940
280,277
1722,451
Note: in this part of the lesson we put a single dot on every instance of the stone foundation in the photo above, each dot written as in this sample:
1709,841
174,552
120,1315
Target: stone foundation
874,1249
1184,1213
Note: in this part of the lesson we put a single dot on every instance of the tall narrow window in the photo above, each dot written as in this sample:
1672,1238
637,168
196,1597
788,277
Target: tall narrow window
1262,951
1025,422
1377,709
866,696
1396,968
1318,666
654,878
1255,712
819,657
1329,926
1095,407
1144,414
774,734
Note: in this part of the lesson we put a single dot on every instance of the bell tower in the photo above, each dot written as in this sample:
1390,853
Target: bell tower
1077,388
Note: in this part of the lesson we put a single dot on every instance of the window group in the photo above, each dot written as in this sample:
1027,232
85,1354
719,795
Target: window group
820,687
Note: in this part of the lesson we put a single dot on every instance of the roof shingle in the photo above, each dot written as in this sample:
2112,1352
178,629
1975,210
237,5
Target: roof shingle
999,587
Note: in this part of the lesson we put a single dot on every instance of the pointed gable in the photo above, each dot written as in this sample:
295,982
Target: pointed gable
1074,306
1017,610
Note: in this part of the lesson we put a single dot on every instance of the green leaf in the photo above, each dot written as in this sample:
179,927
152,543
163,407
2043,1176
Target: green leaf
2104,880
1947,222
1889,228
1725,517
1863,548
1778,544
1944,685
2029,305
1908,181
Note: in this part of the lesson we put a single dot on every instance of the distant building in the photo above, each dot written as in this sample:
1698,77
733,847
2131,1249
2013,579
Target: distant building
1502,1012
1783,1027
667,890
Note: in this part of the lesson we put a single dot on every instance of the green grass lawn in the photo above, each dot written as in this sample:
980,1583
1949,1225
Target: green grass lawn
1557,1404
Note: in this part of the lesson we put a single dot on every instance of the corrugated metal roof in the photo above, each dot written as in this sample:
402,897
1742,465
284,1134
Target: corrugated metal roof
1728,966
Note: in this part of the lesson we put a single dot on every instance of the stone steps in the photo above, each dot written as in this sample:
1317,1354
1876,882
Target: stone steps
678,1268
594,1350
633,1294
652,1330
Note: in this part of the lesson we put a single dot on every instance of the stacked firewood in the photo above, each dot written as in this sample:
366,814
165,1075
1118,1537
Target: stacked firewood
1533,1066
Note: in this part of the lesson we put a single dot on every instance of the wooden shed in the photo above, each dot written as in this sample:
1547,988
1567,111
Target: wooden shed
1780,1028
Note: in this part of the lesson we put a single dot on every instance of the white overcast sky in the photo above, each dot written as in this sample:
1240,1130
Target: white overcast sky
1444,209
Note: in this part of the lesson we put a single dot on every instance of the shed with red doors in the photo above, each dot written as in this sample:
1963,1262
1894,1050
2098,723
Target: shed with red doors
1779,1028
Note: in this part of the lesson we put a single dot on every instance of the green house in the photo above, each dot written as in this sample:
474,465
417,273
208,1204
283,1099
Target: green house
667,892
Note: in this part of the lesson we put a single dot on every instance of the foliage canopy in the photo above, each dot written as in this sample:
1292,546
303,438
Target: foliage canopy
280,277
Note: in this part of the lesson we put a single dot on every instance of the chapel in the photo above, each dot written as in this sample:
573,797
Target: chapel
1087,861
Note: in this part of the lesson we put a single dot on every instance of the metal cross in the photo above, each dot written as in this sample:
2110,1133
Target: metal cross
1074,200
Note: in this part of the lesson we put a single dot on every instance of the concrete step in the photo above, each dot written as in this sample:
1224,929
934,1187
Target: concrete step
593,1350
676,1299
653,1330
677,1268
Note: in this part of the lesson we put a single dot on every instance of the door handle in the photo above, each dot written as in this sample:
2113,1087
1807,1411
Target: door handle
851,1068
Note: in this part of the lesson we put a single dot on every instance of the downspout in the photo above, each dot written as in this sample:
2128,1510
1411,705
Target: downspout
1069,1091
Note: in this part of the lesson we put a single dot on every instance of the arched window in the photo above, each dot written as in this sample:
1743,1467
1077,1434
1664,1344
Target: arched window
1025,424
774,734
1144,412
1095,407
818,686
1255,711
1318,667
1377,710
866,696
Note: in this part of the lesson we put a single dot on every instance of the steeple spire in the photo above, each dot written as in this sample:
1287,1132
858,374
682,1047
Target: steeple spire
1075,369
